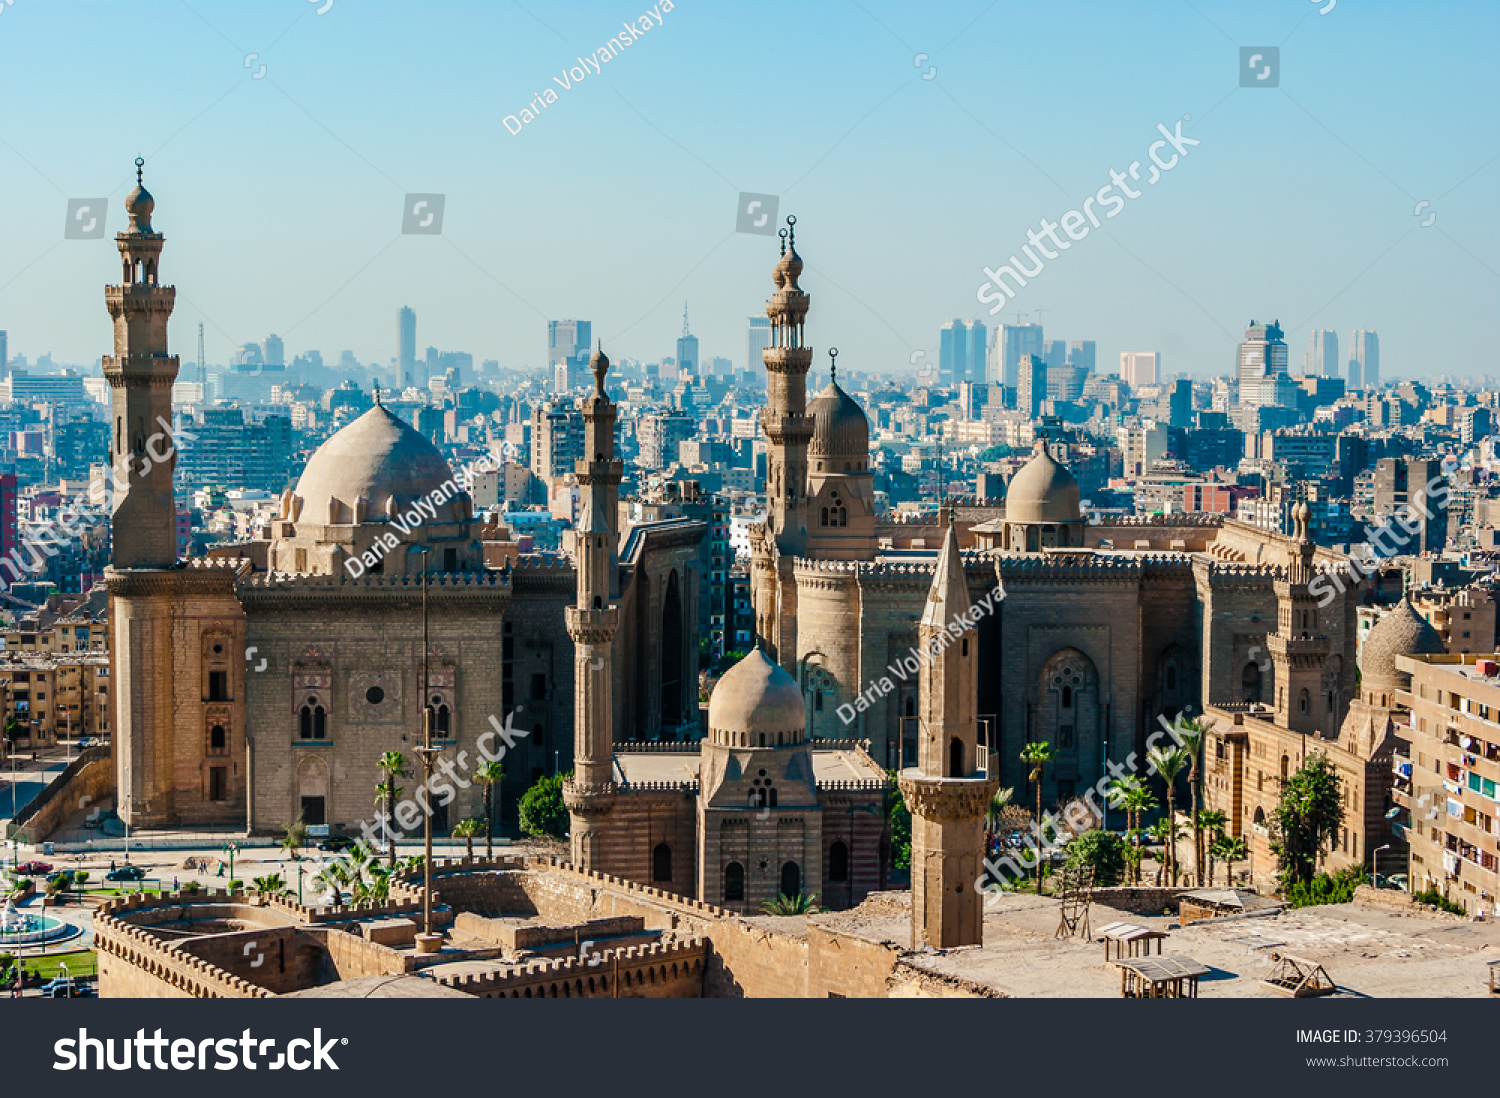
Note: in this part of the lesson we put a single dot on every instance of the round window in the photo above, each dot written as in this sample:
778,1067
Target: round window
374,695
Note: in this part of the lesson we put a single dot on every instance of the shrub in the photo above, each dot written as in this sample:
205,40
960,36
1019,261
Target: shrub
80,877
1104,851
190,886
1323,889
1436,899
543,812
235,884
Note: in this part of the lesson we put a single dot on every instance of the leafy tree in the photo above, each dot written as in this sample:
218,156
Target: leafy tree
1307,817
800,904
489,775
1103,851
393,765
296,836
466,830
997,452
1169,762
543,812
1037,755
80,876
1164,831
899,818
1133,795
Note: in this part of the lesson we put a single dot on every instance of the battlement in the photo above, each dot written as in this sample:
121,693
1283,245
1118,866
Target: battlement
840,745
671,747
865,785
436,582
1237,570
1182,518
659,787
632,965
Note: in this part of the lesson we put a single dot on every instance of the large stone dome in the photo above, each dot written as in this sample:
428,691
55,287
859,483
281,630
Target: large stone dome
840,430
1043,491
378,459
1401,632
756,696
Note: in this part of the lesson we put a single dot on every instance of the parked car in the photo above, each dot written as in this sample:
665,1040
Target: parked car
33,869
126,873
66,987
336,843
85,743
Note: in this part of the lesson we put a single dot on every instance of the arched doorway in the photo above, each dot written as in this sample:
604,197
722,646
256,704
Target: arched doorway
1250,683
661,863
791,880
734,883
1067,716
312,790
671,654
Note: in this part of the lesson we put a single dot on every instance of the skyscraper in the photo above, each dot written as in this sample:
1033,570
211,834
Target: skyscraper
1015,340
568,352
1322,354
961,349
1139,368
1364,348
273,352
1262,355
687,348
757,339
1180,403
4,352
1031,385
1081,354
406,346
1055,351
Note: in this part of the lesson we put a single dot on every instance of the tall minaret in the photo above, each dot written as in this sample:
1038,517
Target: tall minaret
1300,646
592,624
949,789
787,425
140,375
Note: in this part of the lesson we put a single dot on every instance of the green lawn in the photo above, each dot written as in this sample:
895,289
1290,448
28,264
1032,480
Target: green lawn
82,962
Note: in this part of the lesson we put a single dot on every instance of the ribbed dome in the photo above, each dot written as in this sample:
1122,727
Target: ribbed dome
1043,491
756,696
840,429
1401,632
377,457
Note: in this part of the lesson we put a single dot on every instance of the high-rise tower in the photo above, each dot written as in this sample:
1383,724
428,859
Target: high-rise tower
406,347
592,623
955,778
140,375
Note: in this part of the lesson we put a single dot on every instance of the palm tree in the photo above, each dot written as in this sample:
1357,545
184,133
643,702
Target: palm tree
393,765
1168,762
1133,795
466,830
270,886
1230,849
489,774
800,904
1164,831
1190,736
1037,755
996,810
1213,822
334,877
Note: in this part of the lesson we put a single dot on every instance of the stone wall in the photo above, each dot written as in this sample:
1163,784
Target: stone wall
1141,900
87,780
666,970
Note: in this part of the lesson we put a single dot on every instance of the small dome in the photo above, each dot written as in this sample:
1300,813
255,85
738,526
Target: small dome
756,696
139,205
1043,491
788,270
379,458
1401,632
840,429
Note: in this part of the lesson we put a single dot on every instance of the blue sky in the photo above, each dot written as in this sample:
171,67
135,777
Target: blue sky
281,196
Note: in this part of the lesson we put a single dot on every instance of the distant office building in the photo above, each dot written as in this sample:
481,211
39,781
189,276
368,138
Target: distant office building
406,347
1031,387
1066,382
1180,403
757,339
1055,352
1322,354
1015,341
1263,354
687,348
1139,368
273,352
1364,349
659,435
1402,489
961,351
568,343
24,388
4,352
1081,355
78,445
9,531
556,440
227,452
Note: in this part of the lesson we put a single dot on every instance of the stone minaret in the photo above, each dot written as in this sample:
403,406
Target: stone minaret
1301,645
789,429
949,789
140,375
592,624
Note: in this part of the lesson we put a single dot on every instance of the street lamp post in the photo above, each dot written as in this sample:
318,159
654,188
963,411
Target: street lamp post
1375,864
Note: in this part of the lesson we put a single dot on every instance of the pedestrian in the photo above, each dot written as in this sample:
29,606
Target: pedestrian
111,865
174,883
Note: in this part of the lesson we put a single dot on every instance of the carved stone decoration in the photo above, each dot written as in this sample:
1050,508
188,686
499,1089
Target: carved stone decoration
375,697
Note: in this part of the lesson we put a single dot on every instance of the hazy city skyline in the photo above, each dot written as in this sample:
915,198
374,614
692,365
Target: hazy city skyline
281,191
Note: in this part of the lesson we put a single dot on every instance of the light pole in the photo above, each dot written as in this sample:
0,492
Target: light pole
1375,864
126,817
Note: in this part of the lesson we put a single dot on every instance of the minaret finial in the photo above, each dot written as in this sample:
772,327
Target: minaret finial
140,162
791,233
783,242
833,364
377,394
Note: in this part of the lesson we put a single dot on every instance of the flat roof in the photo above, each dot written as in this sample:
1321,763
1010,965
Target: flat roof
684,766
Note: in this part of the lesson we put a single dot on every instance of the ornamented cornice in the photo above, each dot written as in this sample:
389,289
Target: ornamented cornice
958,799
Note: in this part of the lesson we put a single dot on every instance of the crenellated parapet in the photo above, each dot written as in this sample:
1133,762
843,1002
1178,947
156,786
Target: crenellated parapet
630,971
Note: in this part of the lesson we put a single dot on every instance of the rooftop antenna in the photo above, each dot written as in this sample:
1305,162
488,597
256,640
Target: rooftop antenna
685,331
